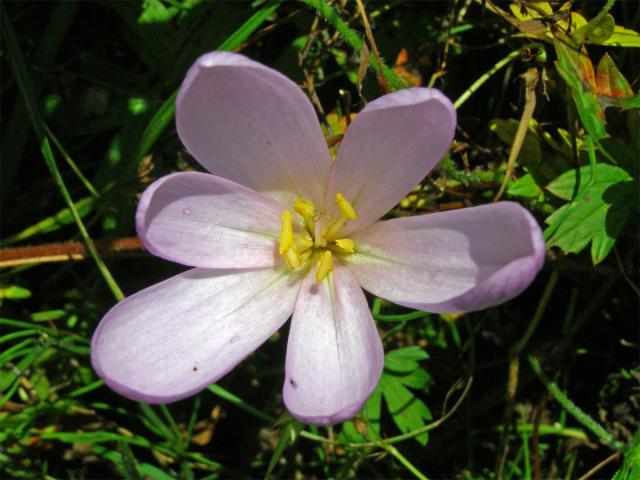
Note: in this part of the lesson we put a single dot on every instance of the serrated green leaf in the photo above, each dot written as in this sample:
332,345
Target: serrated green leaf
596,216
404,359
408,412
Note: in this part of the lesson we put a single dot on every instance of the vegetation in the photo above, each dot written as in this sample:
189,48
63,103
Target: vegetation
544,386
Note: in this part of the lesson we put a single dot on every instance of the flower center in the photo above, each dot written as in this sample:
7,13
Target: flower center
319,239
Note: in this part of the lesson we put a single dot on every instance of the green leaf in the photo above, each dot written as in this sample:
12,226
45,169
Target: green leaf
525,187
149,471
623,37
418,379
404,360
14,292
366,427
598,30
41,384
630,468
50,224
576,69
153,11
597,215
609,80
288,436
632,102
408,412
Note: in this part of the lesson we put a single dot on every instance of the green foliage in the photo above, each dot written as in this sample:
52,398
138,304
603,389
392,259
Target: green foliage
630,468
597,216
402,373
576,69
89,124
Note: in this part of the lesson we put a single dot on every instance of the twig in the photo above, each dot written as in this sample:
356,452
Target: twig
535,438
64,252
374,47
601,465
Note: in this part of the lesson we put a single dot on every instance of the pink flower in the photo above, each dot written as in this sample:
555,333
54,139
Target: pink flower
299,236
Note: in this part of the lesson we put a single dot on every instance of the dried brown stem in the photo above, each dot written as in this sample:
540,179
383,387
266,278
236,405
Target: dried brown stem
372,42
64,252
601,465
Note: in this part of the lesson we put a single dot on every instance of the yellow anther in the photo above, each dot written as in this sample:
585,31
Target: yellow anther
305,208
325,266
345,207
302,242
293,259
345,244
286,232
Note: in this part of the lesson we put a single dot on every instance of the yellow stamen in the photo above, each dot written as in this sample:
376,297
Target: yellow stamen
325,266
345,244
293,259
305,208
302,242
345,207
286,232
305,256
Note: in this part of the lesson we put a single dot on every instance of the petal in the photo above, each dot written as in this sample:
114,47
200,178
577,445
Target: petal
251,124
389,148
334,354
173,339
202,220
454,261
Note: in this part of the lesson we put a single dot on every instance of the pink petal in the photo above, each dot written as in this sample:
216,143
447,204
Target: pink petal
334,354
202,220
173,339
249,123
389,148
453,261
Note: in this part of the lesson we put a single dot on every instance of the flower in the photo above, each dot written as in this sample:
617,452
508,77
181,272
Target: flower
278,230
